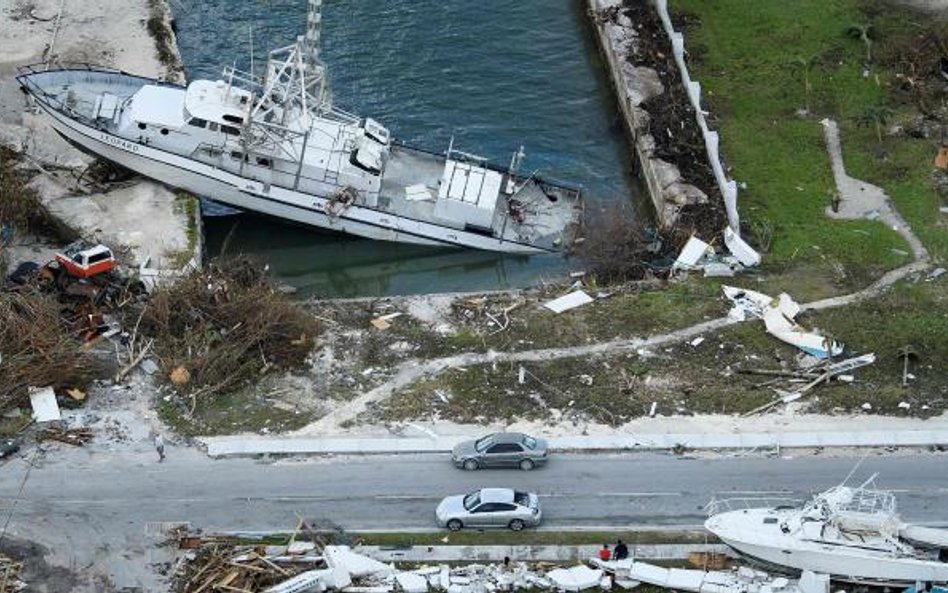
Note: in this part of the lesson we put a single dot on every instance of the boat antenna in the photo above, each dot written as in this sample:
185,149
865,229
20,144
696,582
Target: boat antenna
853,470
311,39
869,481
250,34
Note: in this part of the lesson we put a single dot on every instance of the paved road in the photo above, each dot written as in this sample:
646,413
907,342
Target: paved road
100,491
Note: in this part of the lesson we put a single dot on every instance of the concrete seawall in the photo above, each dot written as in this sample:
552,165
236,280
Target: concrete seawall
634,85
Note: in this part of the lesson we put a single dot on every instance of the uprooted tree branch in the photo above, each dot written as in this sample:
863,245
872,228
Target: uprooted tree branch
38,348
220,329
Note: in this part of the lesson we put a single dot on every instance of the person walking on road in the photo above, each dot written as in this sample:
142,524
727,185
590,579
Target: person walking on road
621,551
604,554
160,447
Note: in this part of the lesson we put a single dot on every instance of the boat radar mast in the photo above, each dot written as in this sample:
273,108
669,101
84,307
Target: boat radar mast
295,81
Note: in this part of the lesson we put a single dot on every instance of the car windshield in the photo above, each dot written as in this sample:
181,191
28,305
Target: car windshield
481,445
522,498
472,500
529,442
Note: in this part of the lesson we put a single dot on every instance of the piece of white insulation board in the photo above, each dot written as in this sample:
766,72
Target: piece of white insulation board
567,302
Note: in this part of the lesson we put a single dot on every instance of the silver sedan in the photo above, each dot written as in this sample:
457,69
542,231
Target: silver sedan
501,449
490,507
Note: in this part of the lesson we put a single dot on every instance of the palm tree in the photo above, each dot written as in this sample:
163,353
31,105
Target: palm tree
865,32
877,116
804,66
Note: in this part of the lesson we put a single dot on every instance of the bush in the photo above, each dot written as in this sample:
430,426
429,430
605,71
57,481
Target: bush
615,246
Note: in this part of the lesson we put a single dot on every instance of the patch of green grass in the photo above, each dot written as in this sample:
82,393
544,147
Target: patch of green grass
751,85
704,379
246,410
187,205
650,310
910,313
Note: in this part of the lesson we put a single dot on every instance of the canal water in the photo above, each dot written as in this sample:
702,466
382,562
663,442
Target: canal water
492,75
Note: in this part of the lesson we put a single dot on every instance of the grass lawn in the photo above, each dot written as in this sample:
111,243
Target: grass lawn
760,65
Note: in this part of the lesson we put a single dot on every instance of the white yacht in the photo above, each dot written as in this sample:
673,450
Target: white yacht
275,144
851,533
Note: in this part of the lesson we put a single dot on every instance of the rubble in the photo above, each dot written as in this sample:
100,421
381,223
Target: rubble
356,565
814,375
72,436
778,315
576,578
10,575
698,255
225,564
739,580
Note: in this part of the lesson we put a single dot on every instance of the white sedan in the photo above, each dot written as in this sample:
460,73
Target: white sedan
490,507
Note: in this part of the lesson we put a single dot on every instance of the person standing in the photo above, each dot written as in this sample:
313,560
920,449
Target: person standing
604,554
160,447
621,551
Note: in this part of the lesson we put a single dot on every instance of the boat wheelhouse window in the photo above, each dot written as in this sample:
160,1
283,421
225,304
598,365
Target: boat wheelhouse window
770,520
141,126
230,130
234,119
197,122
263,161
353,160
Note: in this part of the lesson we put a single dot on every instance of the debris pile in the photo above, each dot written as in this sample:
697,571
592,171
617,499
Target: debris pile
216,330
698,255
695,202
77,436
10,575
739,580
778,315
221,565
39,347
300,566
817,363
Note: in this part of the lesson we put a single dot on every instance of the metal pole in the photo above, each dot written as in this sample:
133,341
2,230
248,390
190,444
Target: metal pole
299,170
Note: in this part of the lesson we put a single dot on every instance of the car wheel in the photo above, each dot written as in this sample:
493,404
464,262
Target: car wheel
527,464
515,525
470,465
455,525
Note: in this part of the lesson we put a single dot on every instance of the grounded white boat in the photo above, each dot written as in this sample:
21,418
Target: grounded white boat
851,533
277,145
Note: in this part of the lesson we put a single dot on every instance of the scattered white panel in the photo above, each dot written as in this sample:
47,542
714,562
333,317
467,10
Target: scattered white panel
567,302
45,408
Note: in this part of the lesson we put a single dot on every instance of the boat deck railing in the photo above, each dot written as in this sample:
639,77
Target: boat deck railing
723,505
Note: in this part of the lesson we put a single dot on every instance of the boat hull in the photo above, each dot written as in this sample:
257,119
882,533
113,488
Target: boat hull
308,209
757,533
847,567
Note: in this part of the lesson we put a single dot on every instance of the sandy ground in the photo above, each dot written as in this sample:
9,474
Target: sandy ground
83,32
